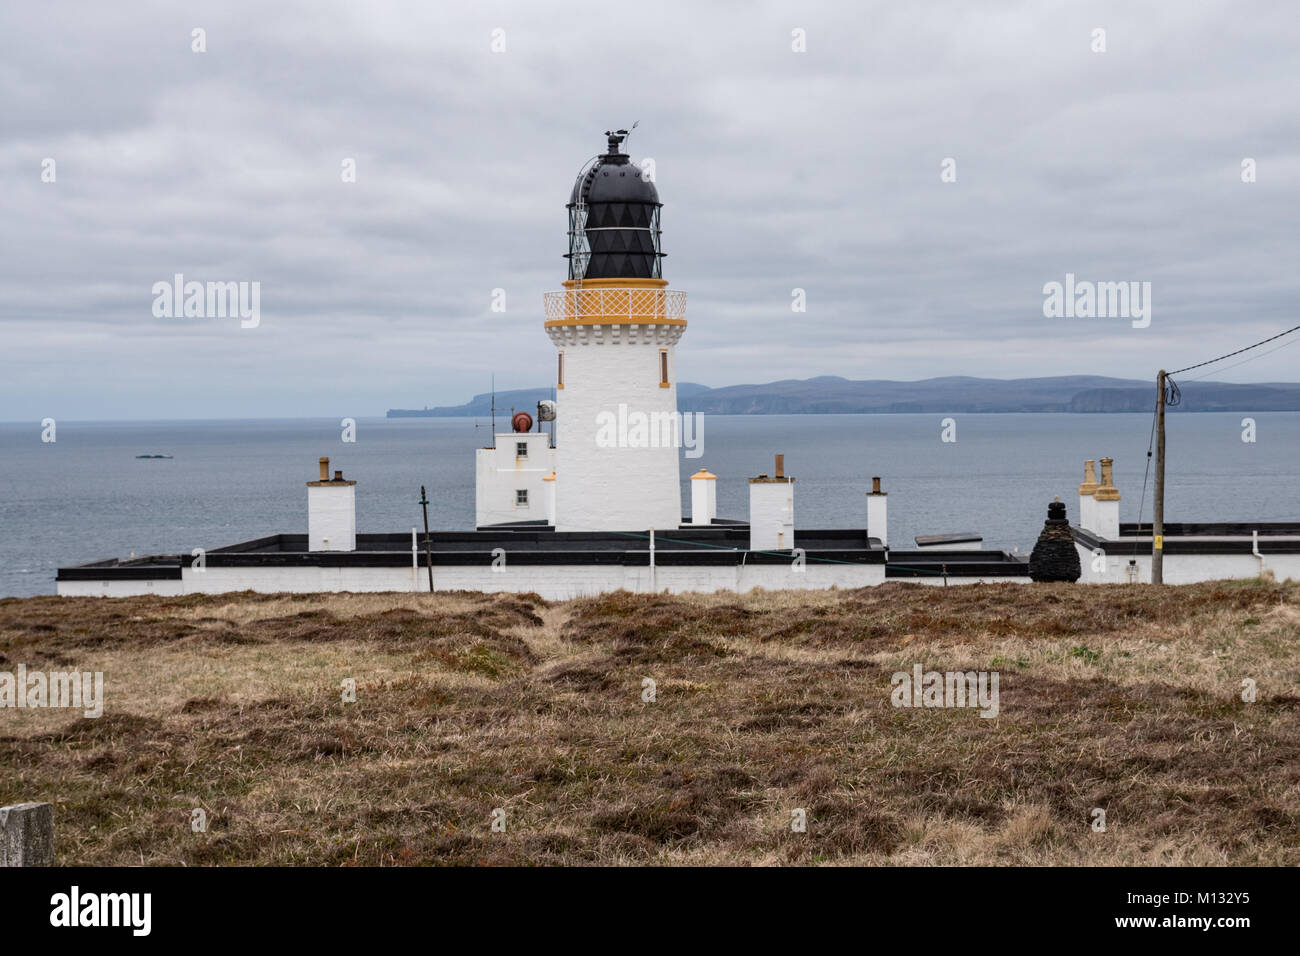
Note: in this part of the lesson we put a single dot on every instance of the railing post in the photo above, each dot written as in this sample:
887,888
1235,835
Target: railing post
27,835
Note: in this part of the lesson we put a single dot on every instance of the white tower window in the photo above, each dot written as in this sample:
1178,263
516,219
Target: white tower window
521,498
663,368
559,370
521,449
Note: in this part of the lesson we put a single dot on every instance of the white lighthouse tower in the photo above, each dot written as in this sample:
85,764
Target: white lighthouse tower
615,326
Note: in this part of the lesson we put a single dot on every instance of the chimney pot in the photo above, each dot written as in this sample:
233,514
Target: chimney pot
780,466
324,469
1090,483
877,520
338,476
1107,490
1105,506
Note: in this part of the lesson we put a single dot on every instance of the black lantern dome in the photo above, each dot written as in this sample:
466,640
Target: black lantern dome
614,219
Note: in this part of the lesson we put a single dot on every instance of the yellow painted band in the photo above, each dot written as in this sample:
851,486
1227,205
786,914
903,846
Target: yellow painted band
619,319
617,283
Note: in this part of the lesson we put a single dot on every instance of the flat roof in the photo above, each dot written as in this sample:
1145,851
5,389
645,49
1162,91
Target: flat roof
1200,537
712,545
962,537
957,563
525,544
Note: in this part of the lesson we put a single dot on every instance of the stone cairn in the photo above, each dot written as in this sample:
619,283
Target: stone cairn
1055,557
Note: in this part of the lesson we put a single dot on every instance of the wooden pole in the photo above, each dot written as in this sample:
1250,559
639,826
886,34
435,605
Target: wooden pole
428,548
1158,510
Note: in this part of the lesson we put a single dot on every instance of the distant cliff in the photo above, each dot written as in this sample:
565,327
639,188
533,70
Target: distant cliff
1196,397
830,394
523,399
520,399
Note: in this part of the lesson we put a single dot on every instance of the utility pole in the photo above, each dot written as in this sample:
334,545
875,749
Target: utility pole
1158,511
428,550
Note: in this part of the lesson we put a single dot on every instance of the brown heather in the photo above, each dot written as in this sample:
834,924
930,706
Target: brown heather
1125,698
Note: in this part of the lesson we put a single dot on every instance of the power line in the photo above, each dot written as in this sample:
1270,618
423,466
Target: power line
1253,358
1168,393
1238,352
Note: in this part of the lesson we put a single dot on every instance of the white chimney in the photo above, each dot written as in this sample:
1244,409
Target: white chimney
331,512
550,498
771,511
704,497
1087,506
1105,504
877,522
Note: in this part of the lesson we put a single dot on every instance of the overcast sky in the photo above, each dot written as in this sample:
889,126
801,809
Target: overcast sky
818,170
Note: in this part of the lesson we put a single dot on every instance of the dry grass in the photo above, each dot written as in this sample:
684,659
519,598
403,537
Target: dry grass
1125,698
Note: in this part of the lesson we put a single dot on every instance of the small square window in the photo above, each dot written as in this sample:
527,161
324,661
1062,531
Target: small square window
521,498
521,449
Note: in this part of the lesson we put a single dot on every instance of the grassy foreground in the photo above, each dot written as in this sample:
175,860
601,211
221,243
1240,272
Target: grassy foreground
1124,698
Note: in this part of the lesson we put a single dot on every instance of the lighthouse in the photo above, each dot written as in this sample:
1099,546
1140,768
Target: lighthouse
614,326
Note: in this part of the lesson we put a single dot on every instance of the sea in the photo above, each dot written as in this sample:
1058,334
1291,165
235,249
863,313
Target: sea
87,496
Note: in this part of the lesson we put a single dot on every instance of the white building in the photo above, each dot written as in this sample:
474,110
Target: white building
599,509
615,326
331,511
510,479
1111,551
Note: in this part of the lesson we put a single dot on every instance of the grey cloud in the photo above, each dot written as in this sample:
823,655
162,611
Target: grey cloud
779,170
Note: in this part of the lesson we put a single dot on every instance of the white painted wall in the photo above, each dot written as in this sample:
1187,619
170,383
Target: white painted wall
877,517
553,582
771,514
1087,513
561,582
332,517
499,473
172,588
1105,519
1186,568
704,499
618,488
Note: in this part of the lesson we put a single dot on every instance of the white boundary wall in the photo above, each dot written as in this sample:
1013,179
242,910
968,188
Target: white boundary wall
1186,568
555,582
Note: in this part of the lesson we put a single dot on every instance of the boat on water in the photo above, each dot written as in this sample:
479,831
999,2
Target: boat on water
154,456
